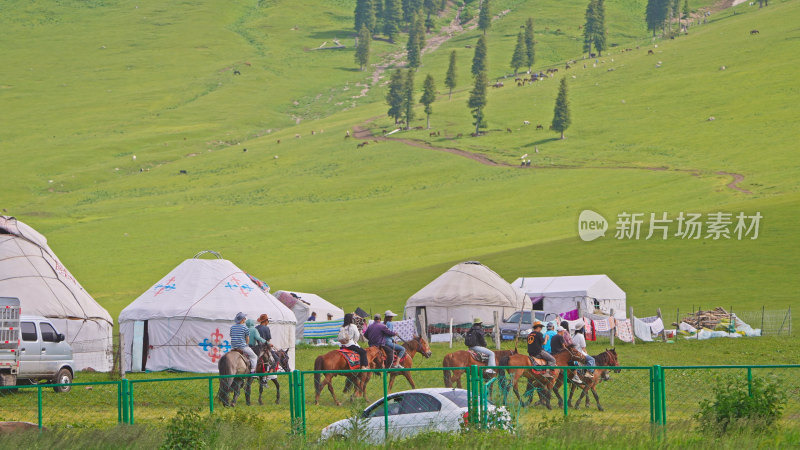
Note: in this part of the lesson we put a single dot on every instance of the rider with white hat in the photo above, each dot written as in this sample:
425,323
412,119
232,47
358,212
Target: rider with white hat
401,351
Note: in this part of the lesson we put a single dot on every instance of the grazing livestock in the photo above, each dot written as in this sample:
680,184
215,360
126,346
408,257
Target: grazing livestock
459,135
236,72
567,67
651,52
753,32
347,134
540,127
183,172
508,130
499,84
297,136
362,144
279,141
525,122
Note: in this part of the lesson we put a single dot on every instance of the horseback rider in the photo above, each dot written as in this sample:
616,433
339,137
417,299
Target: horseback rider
476,341
401,351
378,335
535,343
579,343
548,337
266,334
239,337
348,338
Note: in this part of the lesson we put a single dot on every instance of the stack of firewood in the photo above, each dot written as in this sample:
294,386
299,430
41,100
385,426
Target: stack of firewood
706,319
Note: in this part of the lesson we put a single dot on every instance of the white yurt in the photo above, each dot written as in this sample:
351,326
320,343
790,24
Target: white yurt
303,304
467,291
183,321
586,293
30,271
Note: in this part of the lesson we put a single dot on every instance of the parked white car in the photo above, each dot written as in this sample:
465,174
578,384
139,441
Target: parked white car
410,412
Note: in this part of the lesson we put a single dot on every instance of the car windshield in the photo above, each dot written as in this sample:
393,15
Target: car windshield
459,397
526,318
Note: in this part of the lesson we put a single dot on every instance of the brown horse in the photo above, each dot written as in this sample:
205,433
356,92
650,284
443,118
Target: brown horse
414,346
280,361
538,379
463,358
590,381
234,363
334,360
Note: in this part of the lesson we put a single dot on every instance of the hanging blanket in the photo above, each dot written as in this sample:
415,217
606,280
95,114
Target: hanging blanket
624,330
642,330
570,316
655,323
405,329
322,329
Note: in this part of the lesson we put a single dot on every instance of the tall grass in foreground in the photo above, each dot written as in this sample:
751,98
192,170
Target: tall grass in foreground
235,431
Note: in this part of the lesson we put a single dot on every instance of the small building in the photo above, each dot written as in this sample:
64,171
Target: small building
596,294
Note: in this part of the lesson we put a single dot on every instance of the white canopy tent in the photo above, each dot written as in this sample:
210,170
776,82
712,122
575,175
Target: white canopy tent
303,304
183,321
587,293
467,291
30,271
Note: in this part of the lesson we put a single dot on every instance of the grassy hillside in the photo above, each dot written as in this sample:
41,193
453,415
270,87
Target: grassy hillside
91,84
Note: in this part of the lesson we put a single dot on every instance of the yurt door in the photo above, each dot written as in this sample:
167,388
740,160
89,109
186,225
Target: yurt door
421,316
139,346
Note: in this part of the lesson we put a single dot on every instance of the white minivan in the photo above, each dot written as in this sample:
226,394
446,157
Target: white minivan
43,353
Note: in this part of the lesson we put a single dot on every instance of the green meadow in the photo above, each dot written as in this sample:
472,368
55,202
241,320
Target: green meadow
89,85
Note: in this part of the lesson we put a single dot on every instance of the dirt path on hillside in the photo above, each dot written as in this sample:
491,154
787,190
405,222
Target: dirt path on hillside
361,133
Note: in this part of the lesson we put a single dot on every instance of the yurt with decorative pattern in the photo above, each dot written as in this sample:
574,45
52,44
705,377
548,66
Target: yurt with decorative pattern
183,321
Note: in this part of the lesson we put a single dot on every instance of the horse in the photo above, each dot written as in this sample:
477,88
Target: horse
334,360
590,382
537,379
414,346
234,363
282,362
463,358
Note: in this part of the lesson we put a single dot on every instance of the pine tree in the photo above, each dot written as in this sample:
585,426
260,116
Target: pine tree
408,98
395,96
589,25
655,14
392,15
362,48
418,27
518,59
450,78
477,101
530,52
599,28
410,9
413,48
364,15
430,7
428,97
561,120
484,17
479,60
686,10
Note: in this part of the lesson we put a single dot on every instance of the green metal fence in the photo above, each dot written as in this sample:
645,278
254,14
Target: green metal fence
303,404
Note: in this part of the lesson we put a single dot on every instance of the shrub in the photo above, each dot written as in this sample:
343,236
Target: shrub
188,430
732,406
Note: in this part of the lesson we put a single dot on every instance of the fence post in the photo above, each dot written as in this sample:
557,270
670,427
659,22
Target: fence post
564,382
301,401
124,405
472,410
484,404
39,396
656,387
119,401
211,395
385,407
290,382
130,402
663,396
652,405
750,381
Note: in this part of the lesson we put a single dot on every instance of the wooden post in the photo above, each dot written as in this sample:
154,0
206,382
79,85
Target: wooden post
451,332
613,329
663,331
121,357
633,328
496,331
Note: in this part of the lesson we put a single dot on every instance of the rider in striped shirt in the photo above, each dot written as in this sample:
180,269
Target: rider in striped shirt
239,337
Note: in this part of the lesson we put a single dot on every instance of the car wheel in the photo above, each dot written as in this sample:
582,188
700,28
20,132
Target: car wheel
64,376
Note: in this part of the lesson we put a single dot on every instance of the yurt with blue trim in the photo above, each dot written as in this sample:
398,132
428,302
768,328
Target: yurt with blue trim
183,321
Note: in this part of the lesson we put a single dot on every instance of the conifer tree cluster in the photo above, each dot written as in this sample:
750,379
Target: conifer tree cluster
594,29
